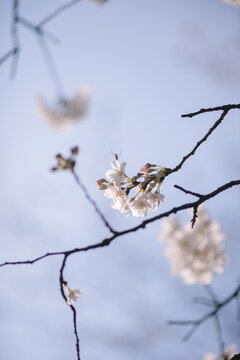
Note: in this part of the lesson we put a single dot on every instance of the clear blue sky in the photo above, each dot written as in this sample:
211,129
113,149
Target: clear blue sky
147,62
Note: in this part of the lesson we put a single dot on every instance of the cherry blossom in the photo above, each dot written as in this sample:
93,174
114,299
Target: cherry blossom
72,294
117,173
196,254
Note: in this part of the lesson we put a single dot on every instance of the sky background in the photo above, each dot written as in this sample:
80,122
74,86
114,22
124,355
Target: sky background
146,62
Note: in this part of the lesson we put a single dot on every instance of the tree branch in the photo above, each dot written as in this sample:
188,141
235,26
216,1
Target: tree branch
142,225
205,137
196,323
56,12
61,280
217,108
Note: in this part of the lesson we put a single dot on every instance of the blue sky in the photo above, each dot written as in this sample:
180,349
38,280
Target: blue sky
146,62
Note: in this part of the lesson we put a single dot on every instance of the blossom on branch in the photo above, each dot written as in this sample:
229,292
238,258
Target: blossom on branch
65,111
147,183
73,295
226,355
196,254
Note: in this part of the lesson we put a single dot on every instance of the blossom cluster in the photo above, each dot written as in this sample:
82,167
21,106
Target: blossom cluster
226,355
196,254
65,111
146,183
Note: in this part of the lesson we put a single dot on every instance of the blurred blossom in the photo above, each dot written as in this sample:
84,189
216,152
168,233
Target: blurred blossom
226,355
232,2
100,2
196,254
65,111
72,294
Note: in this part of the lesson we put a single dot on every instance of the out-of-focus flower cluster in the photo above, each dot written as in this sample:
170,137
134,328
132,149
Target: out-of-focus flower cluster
66,163
72,294
232,2
147,184
196,254
226,355
65,111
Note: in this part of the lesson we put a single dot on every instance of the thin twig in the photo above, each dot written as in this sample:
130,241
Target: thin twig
8,55
188,191
52,68
56,12
88,197
217,108
216,319
15,39
38,29
61,280
196,323
205,137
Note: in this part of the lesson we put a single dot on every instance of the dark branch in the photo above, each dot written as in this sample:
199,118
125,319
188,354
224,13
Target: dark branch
188,191
217,123
142,225
15,39
217,108
61,280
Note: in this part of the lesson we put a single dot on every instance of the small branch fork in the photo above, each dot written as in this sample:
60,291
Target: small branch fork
41,33
217,306
115,234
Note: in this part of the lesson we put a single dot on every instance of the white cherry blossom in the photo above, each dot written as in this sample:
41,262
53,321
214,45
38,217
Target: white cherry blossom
72,294
140,205
117,173
154,200
119,198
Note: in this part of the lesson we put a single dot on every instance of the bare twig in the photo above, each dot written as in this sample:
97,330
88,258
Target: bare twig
10,53
205,137
188,191
15,39
217,108
216,319
56,12
52,68
88,197
196,323
142,225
